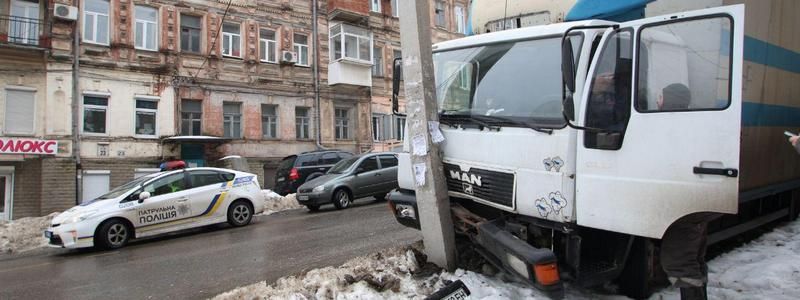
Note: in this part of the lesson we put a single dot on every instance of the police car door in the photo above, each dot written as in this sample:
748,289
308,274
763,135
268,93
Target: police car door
168,202
208,191
665,93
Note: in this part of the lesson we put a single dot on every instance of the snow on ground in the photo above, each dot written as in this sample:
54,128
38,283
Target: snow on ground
766,268
23,234
274,203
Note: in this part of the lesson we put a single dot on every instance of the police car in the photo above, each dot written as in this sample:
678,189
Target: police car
159,203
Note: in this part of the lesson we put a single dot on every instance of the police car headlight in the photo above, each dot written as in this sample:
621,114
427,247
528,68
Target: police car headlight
80,217
318,189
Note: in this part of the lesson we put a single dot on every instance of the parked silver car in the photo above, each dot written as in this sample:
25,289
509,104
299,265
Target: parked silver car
365,175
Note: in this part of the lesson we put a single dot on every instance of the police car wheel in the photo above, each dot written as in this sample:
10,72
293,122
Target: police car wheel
240,213
112,234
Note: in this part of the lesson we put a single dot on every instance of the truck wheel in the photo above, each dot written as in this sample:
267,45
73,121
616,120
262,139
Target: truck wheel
635,280
240,213
112,234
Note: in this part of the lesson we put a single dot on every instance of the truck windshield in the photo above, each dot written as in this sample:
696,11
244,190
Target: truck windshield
514,82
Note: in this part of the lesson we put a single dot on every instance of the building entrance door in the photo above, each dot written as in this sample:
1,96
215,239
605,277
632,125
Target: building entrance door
6,194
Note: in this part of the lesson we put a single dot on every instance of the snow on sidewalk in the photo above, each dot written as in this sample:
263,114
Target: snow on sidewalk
766,268
274,203
23,234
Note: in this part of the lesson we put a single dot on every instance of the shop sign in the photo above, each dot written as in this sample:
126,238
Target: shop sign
28,146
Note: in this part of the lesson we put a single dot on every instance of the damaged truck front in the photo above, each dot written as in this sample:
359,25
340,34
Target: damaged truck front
562,159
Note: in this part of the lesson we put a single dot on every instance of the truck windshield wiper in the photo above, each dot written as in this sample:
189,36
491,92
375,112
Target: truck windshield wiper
515,122
462,120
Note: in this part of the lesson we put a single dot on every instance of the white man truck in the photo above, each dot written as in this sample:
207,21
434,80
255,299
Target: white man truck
568,152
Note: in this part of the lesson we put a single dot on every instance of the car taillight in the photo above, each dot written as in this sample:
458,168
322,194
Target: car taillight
293,175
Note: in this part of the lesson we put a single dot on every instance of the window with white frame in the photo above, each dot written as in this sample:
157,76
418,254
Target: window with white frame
300,42
146,110
395,9
95,21
191,33
375,5
461,26
439,10
342,119
381,127
191,117
231,40
20,111
351,42
146,28
232,119
94,114
268,45
377,61
302,122
269,121
399,128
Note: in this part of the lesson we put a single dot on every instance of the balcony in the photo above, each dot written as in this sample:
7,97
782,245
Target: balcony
24,32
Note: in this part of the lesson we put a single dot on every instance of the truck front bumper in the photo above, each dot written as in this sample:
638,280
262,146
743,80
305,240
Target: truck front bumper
404,205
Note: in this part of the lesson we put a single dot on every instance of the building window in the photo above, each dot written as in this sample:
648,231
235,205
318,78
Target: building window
20,111
146,28
232,119
342,116
191,117
461,26
439,10
375,5
351,42
377,62
231,40
268,45
302,121
269,121
399,128
94,114
95,21
146,117
191,28
300,42
381,127
395,9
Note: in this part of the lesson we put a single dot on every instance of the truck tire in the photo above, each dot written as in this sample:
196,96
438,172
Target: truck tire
636,278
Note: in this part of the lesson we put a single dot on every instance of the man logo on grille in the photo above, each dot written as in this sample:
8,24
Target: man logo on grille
466,177
467,188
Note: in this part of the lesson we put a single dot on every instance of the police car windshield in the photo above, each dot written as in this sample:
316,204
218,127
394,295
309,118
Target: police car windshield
343,165
125,188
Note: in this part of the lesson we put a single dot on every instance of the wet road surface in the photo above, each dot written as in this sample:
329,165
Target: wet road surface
202,263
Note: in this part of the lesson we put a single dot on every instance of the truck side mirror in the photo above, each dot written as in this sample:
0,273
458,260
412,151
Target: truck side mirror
397,75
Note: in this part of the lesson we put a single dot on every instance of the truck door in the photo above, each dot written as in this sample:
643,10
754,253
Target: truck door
663,108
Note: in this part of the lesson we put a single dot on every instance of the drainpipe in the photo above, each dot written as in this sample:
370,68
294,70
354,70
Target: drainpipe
318,111
76,138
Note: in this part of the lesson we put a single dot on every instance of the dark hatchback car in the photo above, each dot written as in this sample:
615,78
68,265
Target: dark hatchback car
294,170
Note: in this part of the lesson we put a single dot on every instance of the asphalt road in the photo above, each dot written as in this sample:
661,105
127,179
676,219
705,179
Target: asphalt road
203,263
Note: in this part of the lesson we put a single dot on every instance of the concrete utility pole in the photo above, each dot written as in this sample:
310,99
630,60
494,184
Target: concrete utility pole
426,164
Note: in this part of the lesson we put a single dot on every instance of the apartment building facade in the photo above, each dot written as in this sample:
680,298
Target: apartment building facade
194,80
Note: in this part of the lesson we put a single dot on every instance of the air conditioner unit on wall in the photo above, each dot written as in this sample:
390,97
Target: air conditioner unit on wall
288,57
65,12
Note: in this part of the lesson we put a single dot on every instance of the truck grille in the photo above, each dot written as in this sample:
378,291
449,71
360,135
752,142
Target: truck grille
493,186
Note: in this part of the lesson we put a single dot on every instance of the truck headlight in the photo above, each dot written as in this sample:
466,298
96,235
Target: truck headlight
405,211
80,217
318,189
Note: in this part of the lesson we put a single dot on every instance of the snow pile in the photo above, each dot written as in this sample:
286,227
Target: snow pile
24,234
766,268
274,203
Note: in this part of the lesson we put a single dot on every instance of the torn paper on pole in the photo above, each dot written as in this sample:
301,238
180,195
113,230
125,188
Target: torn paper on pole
419,174
418,145
436,133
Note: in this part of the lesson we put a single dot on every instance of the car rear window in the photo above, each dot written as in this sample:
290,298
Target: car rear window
306,160
388,161
330,158
287,163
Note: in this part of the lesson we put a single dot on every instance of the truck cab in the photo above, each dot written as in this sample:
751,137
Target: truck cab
578,144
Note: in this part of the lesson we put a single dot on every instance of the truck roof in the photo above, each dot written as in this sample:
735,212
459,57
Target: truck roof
515,34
